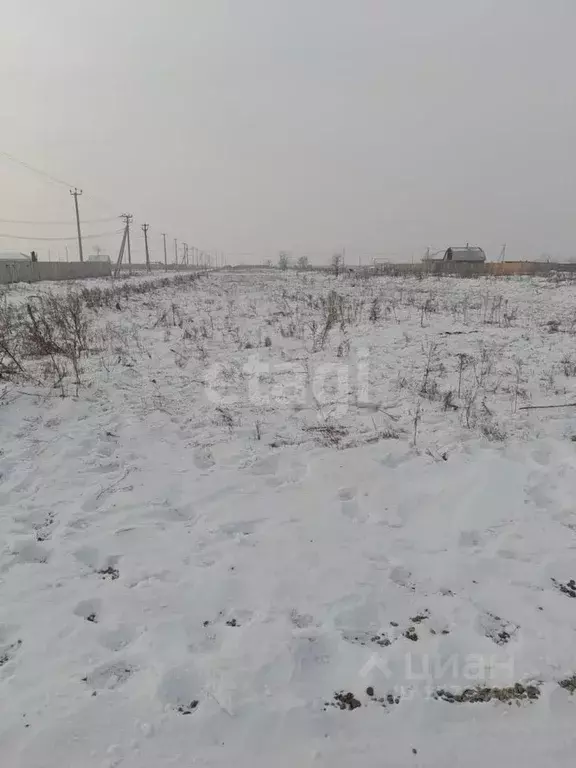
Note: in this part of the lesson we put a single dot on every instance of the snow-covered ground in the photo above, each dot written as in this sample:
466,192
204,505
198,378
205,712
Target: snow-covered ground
296,520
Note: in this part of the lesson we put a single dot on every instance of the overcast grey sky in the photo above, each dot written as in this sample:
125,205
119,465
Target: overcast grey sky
249,126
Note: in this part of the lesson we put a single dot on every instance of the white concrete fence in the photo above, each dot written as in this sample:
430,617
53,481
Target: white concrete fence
32,272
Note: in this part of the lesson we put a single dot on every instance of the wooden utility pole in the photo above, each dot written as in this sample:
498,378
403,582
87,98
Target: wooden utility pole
165,251
125,244
75,194
145,228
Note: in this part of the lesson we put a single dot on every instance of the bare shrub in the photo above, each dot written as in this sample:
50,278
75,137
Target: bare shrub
464,361
433,368
492,430
568,365
375,310
225,416
11,353
98,298
50,328
328,434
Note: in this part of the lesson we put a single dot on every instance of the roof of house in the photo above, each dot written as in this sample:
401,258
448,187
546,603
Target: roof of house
466,253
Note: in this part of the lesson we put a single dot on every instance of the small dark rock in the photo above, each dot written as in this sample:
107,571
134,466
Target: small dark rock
569,684
346,701
419,618
370,691
567,589
380,640
110,572
187,709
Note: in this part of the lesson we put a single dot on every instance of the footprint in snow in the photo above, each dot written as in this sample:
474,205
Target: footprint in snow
105,566
110,676
349,505
183,513
238,529
470,539
90,610
30,552
180,690
401,576
497,629
118,639
203,458
266,466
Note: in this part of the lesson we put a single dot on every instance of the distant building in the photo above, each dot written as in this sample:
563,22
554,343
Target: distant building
13,256
467,253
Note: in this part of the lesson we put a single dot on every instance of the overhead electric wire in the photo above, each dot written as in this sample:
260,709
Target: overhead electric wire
36,170
84,237
62,223
56,180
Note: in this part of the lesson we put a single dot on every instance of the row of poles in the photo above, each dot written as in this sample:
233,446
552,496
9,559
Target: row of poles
190,256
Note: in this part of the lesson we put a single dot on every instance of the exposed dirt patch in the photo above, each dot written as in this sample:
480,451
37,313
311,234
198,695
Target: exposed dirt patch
367,638
420,617
569,588
498,630
517,692
7,653
109,573
345,701
569,684
388,700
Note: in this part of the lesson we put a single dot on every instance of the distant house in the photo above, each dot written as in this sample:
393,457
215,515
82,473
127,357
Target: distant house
13,257
467,253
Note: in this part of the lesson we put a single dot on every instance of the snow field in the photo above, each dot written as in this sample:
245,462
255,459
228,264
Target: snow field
288,513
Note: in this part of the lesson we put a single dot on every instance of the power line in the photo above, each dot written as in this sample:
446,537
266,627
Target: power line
62,223
49,176
55,179
75,192
61,239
